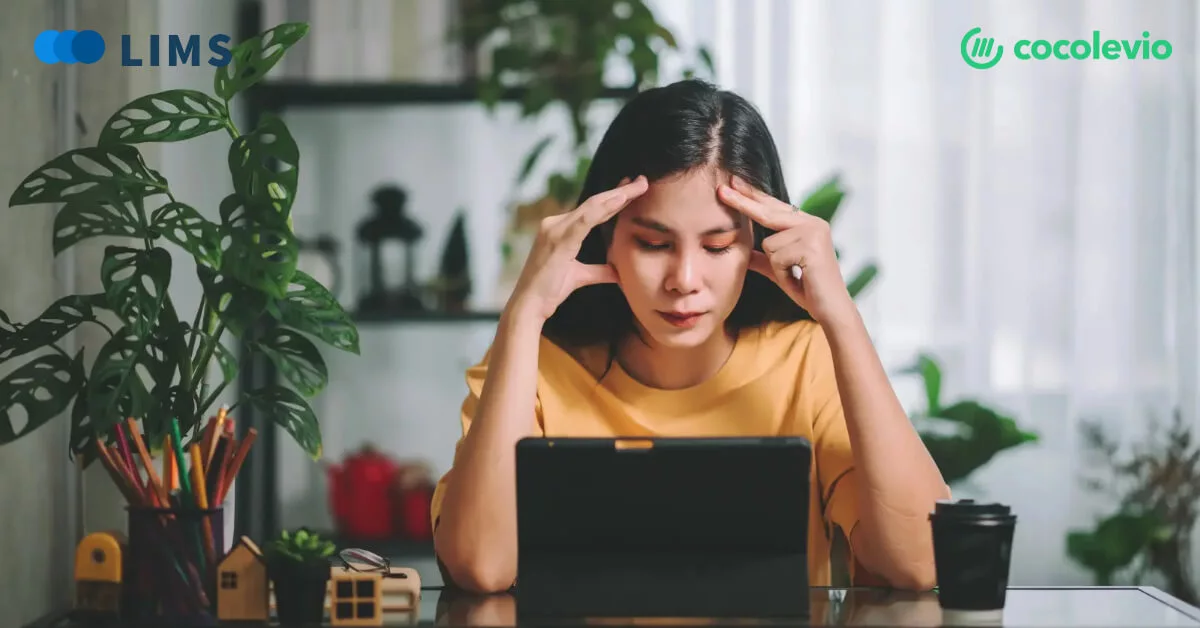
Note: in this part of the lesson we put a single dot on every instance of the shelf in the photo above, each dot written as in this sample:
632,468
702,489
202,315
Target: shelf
280,94
424,317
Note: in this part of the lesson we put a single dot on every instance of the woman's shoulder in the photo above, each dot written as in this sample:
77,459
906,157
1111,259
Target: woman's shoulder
560,360
794,338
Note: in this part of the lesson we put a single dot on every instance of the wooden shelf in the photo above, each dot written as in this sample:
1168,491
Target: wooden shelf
280,94
424,317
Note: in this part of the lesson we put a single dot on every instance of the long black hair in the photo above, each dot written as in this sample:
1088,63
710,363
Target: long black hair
661,132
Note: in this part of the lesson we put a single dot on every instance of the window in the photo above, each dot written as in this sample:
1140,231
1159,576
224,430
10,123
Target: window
356,597
229,579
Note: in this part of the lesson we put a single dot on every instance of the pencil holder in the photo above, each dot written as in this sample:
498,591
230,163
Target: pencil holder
172,562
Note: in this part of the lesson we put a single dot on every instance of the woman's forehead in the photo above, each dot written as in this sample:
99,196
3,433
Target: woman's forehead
685,203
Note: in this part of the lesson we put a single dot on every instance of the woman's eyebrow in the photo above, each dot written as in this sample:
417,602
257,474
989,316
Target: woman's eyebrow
661,228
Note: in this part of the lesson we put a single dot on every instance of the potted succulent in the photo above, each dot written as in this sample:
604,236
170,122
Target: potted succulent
298,563
154,366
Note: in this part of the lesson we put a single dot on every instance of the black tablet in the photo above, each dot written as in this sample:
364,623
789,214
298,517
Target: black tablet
666,526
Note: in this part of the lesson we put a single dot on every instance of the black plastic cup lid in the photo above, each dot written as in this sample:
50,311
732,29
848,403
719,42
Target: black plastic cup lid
970,509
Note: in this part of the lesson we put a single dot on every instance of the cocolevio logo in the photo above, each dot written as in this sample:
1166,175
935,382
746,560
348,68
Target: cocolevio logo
981,52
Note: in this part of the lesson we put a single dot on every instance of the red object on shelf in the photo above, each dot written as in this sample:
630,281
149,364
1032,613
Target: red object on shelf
411,500
360,494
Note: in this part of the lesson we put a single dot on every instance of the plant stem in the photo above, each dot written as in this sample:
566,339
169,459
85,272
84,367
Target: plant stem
196,325
212,397
208,348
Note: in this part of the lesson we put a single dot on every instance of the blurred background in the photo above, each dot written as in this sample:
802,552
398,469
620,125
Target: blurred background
1022,239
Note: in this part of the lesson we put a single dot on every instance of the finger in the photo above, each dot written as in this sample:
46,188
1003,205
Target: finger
743,186
607,204
760,212
781,239
761,264
591,274
599,208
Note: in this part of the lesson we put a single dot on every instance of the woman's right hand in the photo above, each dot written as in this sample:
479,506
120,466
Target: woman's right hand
551,272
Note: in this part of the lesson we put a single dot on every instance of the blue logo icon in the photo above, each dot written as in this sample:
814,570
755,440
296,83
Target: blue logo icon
69,46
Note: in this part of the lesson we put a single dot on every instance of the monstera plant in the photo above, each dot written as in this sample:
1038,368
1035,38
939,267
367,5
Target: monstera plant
154,364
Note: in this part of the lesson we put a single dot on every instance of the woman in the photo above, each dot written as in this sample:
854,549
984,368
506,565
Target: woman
672,302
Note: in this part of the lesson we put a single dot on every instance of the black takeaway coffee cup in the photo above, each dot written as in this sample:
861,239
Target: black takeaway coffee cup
972,547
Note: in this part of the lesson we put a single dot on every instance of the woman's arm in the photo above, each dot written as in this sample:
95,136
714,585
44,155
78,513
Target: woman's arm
476,536
899,482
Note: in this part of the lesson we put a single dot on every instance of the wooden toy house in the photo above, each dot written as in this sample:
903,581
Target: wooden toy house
99,570
242,584
400,589
356,598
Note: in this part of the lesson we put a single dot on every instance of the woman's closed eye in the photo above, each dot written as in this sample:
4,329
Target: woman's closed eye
715,248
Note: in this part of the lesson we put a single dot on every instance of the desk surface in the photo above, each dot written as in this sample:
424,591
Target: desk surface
1026,606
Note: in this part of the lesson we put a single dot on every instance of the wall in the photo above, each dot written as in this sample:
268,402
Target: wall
35,468
45,110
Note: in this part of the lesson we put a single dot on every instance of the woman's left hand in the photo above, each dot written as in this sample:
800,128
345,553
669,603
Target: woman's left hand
800,240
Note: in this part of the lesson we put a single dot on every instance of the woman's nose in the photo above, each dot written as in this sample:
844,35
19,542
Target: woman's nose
684,275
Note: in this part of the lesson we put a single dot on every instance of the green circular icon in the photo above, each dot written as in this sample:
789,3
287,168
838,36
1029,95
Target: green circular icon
977,51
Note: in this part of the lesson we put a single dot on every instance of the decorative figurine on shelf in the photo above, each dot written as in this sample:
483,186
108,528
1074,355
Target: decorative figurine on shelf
99,572
454,277
243,588
389,237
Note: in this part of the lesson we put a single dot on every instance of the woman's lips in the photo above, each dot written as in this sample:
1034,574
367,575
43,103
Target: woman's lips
682,319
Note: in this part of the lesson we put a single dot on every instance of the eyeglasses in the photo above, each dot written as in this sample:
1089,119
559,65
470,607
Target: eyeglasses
362,561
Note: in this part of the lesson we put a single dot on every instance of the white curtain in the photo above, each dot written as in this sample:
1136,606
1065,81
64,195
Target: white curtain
1034,222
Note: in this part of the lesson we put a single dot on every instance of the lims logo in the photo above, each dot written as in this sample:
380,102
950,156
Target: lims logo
69,47
88,47
982,52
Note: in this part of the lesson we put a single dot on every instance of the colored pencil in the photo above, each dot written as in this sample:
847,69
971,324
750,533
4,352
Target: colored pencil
217,433
201,494
235,465
180,459
155,486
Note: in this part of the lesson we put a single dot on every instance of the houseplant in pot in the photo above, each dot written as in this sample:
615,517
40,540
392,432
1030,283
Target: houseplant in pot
298,565
155,364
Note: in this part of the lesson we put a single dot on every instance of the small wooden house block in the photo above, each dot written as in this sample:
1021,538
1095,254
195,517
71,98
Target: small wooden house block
400,589
99,569
242,584
356,599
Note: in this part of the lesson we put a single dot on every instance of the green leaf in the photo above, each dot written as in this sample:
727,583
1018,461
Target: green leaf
237,304
254,57
83,437
56,321
931,375
531,159
265,165
124,366
261,256
7,329
166,401
136,282
169,116
80,220
862,280
297,358
184,226
310,308
291,412
226,359
824,201
91,173
42,389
